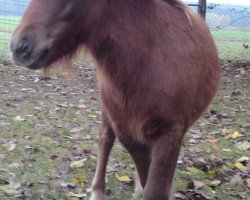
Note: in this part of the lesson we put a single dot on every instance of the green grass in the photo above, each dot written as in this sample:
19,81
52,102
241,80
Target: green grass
45,147
231,33
233,50
7,25
231,44
4,41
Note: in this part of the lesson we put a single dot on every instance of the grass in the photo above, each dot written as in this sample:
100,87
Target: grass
7,25
233,50
232,44
45,146
38,117
231,33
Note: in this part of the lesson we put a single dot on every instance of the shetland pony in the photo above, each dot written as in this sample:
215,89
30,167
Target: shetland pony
157,70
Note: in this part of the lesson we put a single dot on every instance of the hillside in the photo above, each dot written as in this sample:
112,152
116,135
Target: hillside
225,15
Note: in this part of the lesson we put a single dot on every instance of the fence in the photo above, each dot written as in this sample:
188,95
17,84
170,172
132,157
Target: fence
230,27
10,12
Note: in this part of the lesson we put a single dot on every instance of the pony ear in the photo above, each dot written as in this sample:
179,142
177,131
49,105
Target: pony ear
67,11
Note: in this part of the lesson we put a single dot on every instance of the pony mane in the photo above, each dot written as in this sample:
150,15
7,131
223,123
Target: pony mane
179,5
175,3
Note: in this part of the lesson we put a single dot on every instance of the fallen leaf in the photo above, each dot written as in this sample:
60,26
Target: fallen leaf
179,196
236,180
111,168
36,80
243,159
215,132
239,166
92,116
10,147
79,196
193,170
12,189
76,130
242,70
87,137
82,106
67,137
79,181
243,146
215,183
226,131
248,182
125,179
215,144
19,119
211,174
195,185
63,167
68,185
190,194
235,135
227,150
16,165
78,164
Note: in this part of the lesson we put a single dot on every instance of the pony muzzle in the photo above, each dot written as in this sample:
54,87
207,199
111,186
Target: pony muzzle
26,52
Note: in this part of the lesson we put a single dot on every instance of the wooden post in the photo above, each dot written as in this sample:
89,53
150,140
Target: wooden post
202,8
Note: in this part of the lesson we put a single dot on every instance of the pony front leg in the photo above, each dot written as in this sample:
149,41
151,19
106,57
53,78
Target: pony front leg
165,152
138,193
106,142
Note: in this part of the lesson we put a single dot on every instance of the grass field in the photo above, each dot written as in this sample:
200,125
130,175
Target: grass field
7,25
233,44
231,33
46,126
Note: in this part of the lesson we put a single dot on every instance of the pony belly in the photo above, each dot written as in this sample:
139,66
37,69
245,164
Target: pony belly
128,127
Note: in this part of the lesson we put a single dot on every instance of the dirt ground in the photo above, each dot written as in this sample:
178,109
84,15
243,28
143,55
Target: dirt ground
48,139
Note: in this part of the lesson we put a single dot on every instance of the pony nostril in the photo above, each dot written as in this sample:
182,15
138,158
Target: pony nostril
25,47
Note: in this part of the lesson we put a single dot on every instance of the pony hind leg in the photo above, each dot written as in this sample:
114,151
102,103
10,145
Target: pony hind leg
138,192
140,154
106,141
165,152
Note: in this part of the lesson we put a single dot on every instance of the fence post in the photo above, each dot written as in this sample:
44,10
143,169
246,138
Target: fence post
202,8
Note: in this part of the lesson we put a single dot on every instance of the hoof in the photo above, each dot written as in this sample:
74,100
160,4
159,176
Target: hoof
138,189
97,195
136,197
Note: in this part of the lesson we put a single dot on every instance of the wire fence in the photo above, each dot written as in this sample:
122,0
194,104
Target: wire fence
229,25
10,13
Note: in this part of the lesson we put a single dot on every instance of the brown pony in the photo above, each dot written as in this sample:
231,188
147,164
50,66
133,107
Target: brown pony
157,69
